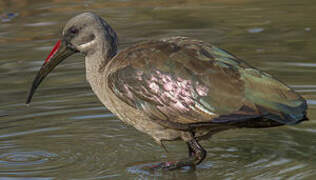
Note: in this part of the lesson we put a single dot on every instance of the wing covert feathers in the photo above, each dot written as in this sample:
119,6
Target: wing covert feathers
186,81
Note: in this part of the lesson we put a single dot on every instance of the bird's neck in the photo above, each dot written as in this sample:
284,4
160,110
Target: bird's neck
99,55
95,63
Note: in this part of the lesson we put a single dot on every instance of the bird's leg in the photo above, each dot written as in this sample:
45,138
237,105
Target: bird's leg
198,151
163,146
190,150
196,156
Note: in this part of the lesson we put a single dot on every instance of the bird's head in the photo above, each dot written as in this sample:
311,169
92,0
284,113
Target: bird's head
84,33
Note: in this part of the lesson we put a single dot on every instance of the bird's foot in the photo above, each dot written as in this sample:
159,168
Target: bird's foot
196,156
172,165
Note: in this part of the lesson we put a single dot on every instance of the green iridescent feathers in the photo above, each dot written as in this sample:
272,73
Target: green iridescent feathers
182,80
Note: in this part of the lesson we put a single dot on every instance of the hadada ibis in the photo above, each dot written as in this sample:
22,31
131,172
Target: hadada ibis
175,88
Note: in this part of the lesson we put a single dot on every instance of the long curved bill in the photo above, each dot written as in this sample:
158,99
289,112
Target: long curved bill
56,56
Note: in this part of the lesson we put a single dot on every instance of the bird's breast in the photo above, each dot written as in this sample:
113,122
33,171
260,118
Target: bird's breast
129,114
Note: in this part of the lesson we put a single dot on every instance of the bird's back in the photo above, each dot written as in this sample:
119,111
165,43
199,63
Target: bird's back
185,81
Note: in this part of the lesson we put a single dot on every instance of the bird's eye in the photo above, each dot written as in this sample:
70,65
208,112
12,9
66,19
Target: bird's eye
73,30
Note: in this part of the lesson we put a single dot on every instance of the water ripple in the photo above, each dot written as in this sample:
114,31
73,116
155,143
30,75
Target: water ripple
33,161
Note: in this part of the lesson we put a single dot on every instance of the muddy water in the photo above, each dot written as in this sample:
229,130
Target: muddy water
66,133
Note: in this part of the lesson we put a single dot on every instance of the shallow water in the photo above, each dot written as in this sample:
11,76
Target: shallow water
67,133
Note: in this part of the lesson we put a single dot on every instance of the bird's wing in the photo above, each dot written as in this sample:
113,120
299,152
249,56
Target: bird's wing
185,81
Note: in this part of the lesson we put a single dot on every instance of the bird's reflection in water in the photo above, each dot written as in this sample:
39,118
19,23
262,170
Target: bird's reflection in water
144,169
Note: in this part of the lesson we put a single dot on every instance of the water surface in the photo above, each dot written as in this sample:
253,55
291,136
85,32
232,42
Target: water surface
67,133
